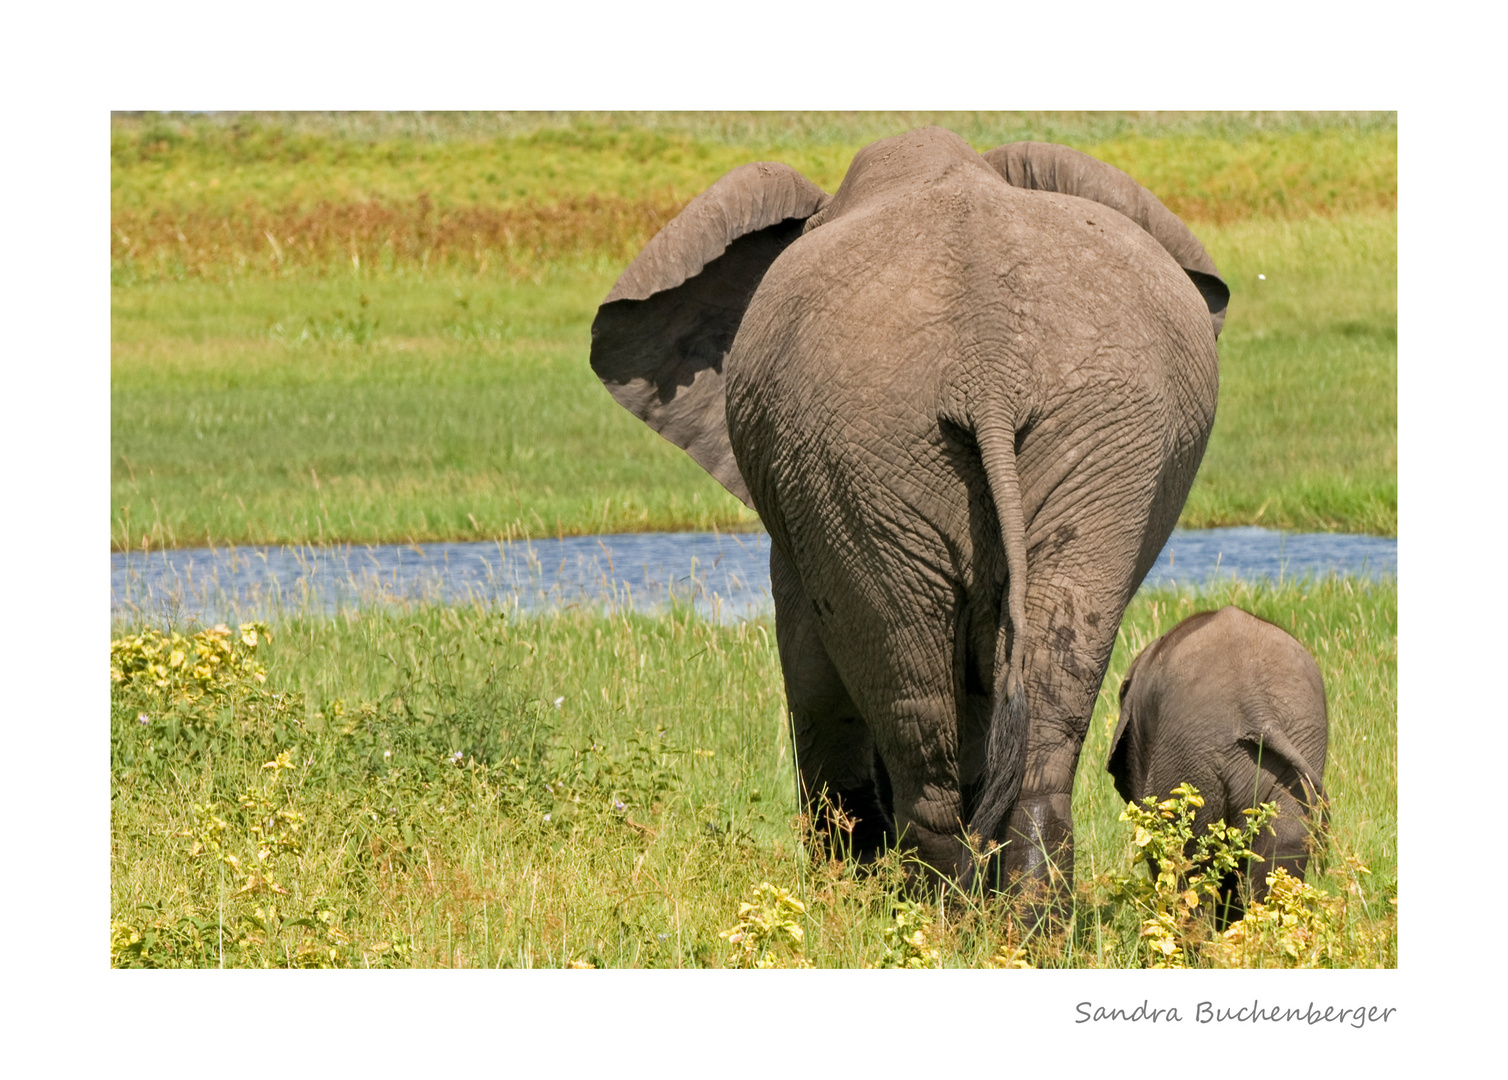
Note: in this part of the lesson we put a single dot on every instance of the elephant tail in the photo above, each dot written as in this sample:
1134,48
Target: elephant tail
1271,740
1005,754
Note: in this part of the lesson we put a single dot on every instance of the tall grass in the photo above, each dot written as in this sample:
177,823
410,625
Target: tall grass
464,787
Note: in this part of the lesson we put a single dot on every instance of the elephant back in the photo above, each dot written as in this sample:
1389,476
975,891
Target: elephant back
1041,166
1220,683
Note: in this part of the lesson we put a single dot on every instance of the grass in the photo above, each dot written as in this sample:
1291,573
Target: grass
1306,431
371,411
367,408
471,788
223,197
373,327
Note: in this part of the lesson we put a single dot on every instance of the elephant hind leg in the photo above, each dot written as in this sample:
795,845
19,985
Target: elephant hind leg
915,734
849,805
1230,906
844,785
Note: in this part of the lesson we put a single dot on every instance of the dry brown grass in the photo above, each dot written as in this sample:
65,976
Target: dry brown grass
376,233
203,197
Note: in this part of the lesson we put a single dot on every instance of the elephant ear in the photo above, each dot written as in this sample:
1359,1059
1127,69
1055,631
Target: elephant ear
660,337
1118,760
1049,167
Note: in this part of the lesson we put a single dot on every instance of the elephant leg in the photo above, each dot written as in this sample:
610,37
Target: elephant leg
917,735
1289,838
899,669
1075,598
844,785
899,660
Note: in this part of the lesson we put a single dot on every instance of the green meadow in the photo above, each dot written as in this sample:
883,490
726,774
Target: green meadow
462,787
374,328
370,329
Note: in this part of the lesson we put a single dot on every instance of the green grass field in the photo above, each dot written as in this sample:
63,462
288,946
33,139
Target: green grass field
463,787
374,328
342,330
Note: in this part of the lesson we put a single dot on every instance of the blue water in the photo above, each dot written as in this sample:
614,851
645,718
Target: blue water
723,575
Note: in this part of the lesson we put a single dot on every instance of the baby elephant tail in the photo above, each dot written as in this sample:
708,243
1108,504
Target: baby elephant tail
1273,741
1005,754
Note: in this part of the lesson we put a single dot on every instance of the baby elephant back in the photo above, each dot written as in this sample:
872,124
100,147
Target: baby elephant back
1230,703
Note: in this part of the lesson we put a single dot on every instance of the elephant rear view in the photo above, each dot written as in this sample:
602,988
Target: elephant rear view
1234,706
967,394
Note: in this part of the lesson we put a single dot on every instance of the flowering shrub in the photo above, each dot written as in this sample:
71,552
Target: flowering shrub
1008,956
239,856
1298,926
178,667
908,941
769,933
1174,903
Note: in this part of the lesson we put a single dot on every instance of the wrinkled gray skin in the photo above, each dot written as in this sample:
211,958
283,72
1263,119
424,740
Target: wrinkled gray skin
967,395
1235,706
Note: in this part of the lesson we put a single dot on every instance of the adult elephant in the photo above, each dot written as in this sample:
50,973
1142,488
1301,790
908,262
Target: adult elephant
967,395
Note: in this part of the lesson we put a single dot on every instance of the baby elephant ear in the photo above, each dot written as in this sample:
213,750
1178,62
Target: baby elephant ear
1118,760
660,337
1050,167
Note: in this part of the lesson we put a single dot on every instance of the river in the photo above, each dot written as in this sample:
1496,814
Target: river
724,575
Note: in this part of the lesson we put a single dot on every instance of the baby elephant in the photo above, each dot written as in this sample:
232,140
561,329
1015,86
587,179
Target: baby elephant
1235,706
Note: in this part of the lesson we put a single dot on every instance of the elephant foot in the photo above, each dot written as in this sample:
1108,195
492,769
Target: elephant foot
935,864
1035,867
851,826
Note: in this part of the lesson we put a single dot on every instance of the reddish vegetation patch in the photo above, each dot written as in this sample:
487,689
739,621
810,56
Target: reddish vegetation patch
375,233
